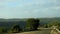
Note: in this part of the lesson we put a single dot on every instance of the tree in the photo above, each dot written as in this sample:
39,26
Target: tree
32,24
16,29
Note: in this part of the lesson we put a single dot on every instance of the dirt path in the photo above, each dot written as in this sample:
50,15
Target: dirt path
46,31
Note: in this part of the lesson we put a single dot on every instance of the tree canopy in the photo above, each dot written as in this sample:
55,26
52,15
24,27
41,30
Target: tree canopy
32,24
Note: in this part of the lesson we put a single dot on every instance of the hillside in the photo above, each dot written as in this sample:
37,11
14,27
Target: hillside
10,22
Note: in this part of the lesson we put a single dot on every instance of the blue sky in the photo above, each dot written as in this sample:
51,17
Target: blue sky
29,8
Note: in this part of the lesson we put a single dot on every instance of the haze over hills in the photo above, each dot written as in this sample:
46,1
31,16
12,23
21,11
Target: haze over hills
10,22
24,19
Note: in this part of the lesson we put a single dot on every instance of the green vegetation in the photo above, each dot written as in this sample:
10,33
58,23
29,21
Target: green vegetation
53,23
32,24
3,30
16,29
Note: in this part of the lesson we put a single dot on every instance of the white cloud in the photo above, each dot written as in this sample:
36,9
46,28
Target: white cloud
34,8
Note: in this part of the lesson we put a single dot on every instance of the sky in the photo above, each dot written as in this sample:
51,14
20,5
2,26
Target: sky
29,8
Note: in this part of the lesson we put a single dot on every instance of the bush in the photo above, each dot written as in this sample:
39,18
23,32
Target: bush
3,30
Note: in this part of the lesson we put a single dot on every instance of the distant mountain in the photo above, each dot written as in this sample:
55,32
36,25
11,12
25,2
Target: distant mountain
48,20
10,22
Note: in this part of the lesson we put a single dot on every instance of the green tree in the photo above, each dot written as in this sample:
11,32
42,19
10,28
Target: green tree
16,29
32,24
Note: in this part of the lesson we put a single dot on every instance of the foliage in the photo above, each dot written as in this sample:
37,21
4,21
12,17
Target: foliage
53,23
45,26
3,30
32,24
16,29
